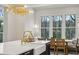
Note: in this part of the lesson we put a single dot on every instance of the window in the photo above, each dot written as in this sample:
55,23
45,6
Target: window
70,33
1,30
70,26
45,27
1,12
45,33
57,30
57,33
57,21
1,25
57,26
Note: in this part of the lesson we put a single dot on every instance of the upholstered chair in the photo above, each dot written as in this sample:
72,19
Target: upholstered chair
77,45
73,45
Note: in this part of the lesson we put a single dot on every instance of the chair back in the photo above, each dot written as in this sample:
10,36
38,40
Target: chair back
60,43
77,41
74,42
52,42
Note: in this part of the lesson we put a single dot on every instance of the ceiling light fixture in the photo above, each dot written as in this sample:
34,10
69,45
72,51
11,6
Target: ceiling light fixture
18,9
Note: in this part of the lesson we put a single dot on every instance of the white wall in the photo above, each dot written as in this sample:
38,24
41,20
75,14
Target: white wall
29,23
24,23
11,27
15,25
56,11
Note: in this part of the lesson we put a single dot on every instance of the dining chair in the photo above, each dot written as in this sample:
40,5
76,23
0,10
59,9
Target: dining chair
60,44
52,44
73,45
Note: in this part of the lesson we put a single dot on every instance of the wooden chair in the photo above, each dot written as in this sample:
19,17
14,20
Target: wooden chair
52,45
60,44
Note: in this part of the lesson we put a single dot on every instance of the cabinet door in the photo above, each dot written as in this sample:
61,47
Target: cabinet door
30,52
48,49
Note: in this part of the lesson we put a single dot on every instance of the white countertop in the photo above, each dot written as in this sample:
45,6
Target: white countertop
40,41
15,47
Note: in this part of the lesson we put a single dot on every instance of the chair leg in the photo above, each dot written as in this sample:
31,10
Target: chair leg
76,51
54,50
57,51
64,51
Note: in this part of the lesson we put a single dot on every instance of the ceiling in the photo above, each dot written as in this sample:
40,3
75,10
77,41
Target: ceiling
38,6
41,6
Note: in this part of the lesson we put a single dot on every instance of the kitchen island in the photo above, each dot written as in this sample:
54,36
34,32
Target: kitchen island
30,48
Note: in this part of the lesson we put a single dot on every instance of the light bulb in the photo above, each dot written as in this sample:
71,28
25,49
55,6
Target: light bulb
25,6
2,23
31,11
36,26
